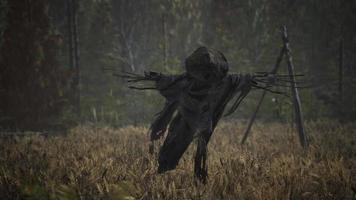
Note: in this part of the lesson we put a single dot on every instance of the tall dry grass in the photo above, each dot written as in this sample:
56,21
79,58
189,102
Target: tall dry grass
105,163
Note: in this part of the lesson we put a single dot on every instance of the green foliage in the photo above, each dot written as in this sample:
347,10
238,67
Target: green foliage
34,192
65,192
124,190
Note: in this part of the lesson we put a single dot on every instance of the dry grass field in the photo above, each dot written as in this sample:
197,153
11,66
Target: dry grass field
104,163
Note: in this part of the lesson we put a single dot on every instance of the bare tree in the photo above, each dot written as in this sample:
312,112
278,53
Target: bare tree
73,44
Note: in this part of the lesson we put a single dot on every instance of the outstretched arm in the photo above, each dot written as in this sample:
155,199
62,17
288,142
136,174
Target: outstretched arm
242,84
169,86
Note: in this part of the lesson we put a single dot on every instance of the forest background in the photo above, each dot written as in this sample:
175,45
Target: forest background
57,58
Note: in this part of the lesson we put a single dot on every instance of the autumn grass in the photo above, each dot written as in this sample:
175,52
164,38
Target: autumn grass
104,163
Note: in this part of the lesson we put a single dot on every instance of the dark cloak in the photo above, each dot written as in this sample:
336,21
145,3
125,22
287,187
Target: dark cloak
195,102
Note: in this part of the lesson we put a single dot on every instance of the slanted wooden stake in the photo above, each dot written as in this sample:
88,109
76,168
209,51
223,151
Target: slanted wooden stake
274,71
296,99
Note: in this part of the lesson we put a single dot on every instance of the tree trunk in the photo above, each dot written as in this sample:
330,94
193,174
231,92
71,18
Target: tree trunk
76,55
341,66
70,34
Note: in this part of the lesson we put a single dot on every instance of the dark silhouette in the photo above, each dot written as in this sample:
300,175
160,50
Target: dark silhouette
195,102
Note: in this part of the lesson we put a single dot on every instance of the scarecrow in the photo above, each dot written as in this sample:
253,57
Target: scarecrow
196,101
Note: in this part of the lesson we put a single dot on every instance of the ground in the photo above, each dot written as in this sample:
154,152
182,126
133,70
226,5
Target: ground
93,162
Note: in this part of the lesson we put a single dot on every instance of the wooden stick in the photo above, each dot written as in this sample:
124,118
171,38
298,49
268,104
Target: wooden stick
247,131
252,120
296,99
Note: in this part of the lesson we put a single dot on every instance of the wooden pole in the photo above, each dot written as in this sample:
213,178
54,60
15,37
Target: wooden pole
296,99
252,120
